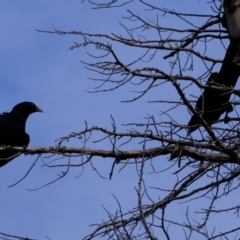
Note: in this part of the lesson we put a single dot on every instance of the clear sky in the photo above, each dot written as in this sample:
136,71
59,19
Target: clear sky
38,67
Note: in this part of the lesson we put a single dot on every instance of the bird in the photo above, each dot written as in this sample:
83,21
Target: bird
213,103
12,129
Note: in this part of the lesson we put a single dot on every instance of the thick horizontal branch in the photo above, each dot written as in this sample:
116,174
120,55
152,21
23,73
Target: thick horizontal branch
123,155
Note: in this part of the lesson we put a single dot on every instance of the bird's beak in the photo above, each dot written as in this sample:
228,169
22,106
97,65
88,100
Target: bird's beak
38,109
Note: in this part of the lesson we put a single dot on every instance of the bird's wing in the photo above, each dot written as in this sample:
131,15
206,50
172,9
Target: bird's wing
5,122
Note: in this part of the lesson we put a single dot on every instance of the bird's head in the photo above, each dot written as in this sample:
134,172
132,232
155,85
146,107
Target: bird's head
26,108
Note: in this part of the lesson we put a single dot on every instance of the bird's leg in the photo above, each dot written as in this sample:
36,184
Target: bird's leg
24,147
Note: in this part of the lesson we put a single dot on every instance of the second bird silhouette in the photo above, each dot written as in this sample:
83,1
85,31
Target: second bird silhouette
12,129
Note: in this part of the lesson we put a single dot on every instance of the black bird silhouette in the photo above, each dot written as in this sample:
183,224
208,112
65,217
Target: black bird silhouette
12,129
213,103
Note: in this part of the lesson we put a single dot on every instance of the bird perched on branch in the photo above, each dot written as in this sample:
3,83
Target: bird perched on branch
12,129
212,103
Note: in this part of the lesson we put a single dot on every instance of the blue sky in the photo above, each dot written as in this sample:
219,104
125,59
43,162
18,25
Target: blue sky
39,67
